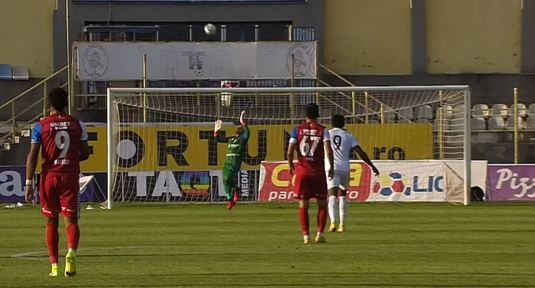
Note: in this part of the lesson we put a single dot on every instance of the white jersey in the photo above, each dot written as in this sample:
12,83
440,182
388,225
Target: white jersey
342,142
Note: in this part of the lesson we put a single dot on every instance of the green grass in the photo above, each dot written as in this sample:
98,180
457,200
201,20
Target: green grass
387,245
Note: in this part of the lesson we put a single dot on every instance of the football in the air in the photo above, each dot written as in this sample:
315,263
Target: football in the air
210,29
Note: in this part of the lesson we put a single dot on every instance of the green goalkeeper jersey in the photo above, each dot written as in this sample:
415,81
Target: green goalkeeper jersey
236,150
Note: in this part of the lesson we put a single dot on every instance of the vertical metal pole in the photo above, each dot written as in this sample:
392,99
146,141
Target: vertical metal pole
68,46
354,105
198,95
13,120
440,127
382,113
218,104
515,114
144,86
440,134
45,90
467,148
292,96
109,134
366,105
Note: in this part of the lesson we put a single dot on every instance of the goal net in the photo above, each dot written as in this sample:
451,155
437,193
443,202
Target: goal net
161,145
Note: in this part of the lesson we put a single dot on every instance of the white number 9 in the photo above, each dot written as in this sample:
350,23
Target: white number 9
63,141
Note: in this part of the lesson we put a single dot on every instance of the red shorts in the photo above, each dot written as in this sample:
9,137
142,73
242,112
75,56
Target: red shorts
58,194
310,186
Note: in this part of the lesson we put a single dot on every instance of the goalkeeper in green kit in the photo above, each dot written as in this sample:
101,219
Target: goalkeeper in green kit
233,158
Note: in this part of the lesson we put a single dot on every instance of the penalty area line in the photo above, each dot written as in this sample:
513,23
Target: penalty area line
43,254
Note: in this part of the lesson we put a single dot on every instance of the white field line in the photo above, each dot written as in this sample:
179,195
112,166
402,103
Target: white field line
31,255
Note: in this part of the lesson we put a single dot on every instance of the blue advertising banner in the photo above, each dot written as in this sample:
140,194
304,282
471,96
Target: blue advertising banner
12,183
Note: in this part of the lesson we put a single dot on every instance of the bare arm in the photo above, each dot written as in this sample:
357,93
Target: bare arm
84,151
31,164
329,151
290,156
366,159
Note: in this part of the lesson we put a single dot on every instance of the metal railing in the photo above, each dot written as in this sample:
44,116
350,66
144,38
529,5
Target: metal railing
367,99
17,115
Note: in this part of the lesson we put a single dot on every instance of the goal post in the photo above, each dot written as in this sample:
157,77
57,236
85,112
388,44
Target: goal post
161,147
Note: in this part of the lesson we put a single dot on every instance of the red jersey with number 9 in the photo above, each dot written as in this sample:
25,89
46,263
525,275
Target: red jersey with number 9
60,135
309,138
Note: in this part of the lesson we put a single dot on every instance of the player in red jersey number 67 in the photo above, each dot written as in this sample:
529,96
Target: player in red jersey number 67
63,139
308,139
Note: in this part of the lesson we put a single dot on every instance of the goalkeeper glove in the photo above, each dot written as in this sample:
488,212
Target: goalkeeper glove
242,118
217,127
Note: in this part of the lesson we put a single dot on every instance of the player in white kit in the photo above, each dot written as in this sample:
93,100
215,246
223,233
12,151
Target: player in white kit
343,144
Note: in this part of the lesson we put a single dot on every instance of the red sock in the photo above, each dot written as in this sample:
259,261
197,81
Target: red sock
52,241
73,236
303,219
322,218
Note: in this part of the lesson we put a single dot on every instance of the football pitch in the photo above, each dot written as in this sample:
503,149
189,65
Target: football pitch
386,245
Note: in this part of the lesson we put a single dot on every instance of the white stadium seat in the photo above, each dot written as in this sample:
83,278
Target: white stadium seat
447,111
530,123
478,123
389,116
405,114
424,112
480,110
522,110
496,123
500,110
531,109
511,123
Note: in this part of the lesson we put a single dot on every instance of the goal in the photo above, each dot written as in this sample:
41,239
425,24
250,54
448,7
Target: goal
161,146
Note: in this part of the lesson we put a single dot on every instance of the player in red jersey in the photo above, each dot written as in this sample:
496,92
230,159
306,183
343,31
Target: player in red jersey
64,142
310,182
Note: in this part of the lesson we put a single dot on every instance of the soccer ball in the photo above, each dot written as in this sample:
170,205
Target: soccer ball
210,29
394,182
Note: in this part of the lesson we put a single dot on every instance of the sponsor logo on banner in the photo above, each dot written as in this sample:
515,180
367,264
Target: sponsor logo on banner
11,184
409,181
195,183
396,182
399,181
511,183
276,183
181,185
193,148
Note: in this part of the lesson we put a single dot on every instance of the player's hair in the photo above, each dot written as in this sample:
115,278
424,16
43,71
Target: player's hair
312,111
57,98
338,121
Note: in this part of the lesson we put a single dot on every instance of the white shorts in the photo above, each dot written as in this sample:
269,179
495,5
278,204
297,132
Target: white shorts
340,180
